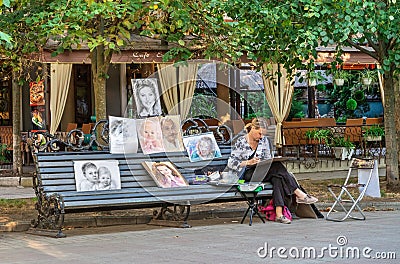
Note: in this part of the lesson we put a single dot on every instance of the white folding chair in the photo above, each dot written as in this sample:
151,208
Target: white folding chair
345,197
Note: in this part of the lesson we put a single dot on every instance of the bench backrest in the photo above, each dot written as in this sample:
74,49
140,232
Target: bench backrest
326,122
353,130
56,169
294,131
374,121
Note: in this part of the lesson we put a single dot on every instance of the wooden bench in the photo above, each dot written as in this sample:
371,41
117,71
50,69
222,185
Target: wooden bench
294,134
55,185
353,130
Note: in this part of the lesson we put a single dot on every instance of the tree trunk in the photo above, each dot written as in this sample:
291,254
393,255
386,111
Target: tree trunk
100,64
16,117
396,88
392,156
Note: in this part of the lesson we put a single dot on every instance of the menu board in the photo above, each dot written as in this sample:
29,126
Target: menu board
37,104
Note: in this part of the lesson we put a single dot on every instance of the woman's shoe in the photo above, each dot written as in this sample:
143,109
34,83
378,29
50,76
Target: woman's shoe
307,200
282,219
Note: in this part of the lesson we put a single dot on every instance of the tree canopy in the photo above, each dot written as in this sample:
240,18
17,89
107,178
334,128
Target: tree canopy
289,32
282,31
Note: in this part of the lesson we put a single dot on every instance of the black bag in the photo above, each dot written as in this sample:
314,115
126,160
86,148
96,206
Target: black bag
246,173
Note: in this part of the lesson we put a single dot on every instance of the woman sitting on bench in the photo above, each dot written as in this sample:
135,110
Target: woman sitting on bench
247,151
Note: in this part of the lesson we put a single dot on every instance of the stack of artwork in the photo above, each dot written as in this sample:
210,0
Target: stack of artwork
159,134
155,134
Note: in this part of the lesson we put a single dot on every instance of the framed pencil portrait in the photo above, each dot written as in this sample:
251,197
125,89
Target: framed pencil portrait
165,174
171,133
123,135
96,175
147,97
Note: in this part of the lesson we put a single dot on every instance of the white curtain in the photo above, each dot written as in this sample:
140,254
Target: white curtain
59,86
178,102
279,98
187,85
167,75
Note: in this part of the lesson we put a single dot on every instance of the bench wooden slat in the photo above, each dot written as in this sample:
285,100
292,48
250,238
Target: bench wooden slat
179,199
60,188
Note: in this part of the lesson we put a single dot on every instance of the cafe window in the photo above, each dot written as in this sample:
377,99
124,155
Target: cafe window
83,97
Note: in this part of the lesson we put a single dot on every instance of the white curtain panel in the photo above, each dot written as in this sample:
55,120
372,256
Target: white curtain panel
168,81
278,98
187,85
59,86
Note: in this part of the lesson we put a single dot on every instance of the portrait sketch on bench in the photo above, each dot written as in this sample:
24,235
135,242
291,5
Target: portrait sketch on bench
165,174
150,135
96,175
202,147
172,133
123,135
147,97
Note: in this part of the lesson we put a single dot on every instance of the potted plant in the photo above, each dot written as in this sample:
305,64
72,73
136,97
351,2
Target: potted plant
4,153
373,133
351,104
340,76
368,77
321,136
342,147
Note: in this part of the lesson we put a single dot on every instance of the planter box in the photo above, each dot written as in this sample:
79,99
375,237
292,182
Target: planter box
373,138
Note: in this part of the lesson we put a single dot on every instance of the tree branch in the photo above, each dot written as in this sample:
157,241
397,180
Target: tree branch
362,49
392,42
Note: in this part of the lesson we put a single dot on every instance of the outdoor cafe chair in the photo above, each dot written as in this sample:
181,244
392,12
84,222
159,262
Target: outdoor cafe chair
346,200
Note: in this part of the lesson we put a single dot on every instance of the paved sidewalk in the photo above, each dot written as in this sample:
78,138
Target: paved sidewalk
303,241
13,192
18,192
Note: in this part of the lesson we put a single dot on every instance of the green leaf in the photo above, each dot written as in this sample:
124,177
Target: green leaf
6,3
120,42
127,24
125,33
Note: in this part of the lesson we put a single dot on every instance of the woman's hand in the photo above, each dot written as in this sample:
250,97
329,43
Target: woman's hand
250,162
